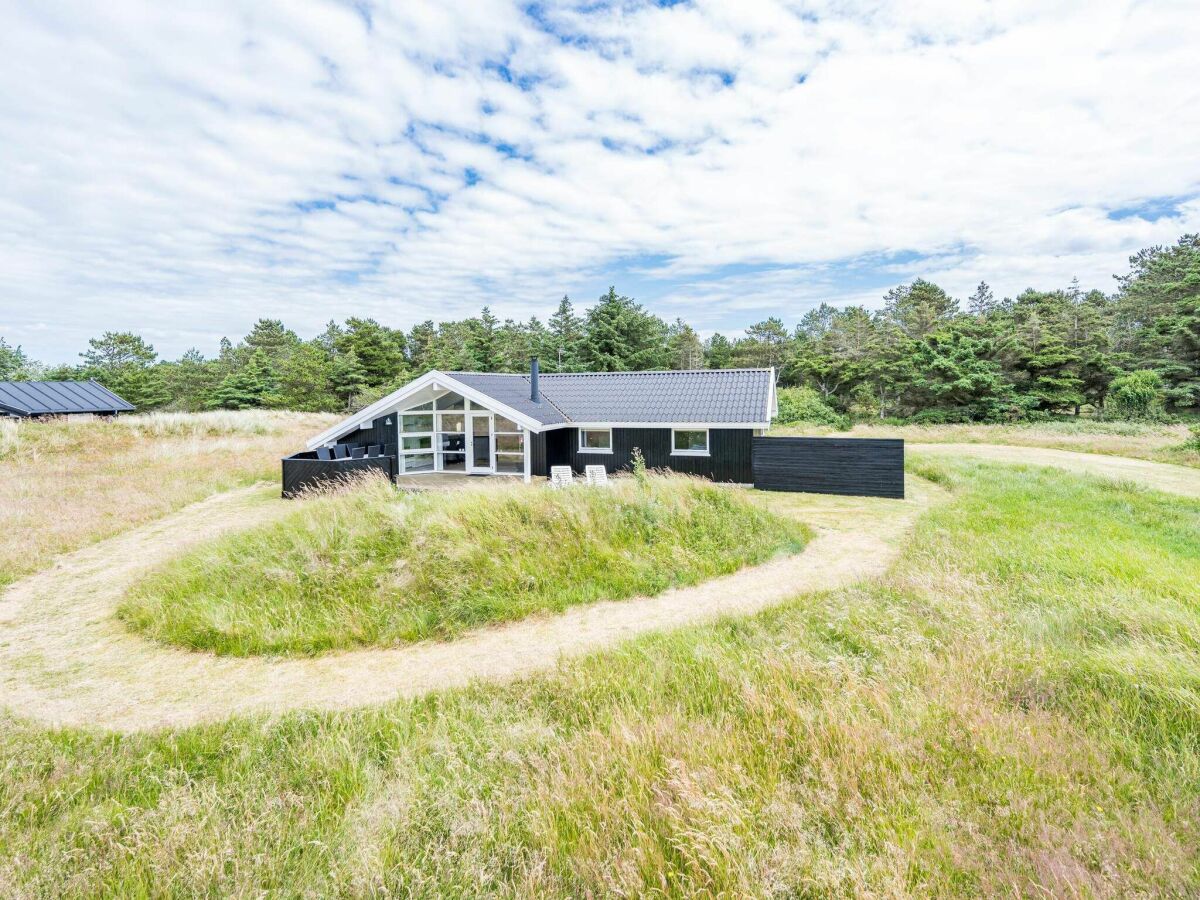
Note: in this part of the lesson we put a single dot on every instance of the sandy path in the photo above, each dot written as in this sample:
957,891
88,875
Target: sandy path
66,660
1162,476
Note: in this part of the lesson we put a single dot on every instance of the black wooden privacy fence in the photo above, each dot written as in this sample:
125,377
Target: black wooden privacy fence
865,467
304,470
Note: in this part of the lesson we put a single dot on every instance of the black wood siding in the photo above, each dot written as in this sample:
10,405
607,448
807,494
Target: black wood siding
728,459
375,433
865,467
304,470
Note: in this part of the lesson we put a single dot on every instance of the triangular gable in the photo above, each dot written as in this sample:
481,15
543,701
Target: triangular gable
433,379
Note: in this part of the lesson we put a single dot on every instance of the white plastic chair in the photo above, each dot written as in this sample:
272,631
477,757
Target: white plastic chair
596,476
561,477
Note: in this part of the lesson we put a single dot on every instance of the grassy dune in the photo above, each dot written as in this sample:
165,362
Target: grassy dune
70,484
1014,710
1158,443
369,566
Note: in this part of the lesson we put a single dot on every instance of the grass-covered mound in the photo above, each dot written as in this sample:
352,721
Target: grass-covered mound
373,567
1013,710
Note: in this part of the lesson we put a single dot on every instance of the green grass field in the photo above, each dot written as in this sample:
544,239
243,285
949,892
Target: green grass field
371,567
1014,710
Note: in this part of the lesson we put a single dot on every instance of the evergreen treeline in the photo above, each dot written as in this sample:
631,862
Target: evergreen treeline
924,355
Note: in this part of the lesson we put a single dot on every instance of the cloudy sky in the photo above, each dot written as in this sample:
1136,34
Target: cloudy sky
180,169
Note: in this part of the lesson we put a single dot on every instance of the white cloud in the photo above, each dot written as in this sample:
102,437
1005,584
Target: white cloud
165,166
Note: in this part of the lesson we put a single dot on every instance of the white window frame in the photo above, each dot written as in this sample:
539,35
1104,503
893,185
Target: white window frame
439,461
583,449
402,454
507,455
707,443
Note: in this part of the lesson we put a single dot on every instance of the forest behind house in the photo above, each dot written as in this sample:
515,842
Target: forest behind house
924,356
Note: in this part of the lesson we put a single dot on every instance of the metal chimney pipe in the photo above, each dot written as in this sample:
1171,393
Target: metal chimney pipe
534,394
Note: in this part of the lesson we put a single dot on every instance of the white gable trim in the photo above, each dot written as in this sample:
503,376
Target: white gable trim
391,403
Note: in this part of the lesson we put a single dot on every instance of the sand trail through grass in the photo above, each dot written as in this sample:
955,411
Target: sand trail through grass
1183,480
66,660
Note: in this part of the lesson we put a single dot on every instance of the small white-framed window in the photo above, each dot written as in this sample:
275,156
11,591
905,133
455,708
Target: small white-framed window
595,440
416,440
509,441
689,442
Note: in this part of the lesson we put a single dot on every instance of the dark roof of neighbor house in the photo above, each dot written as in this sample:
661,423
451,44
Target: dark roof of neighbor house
52,398
694,396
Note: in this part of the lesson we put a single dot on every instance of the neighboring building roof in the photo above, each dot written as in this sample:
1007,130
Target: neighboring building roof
52,398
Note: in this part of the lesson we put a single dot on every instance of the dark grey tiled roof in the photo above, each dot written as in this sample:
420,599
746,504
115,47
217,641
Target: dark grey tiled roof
699,396
44,398
513,391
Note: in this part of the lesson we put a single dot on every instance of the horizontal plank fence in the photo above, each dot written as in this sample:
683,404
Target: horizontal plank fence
862,467
304,471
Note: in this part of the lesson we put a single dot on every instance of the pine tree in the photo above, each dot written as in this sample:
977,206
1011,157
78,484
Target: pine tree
420,343
1159,303
767,345
718,352
620,336
125,364
954,371
564,338
305,379
347,379
684,346
250,387
190,380
918,308
14,364
982,303
380,350
272,338
483,344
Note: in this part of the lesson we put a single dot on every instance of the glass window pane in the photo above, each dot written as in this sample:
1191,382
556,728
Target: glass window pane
418,462
692,440
510,464
596,440
510,443
451,422
451,401
480,427
425,442
452,441
411,424
426,405
454,462
503,424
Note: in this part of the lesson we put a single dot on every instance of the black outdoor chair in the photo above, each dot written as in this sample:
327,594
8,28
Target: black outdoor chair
374,450
358,453
341,451
324,453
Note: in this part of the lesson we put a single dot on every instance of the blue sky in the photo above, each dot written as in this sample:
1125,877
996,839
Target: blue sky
182,169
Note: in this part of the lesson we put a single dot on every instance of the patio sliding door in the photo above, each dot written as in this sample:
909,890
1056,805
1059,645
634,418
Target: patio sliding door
479,460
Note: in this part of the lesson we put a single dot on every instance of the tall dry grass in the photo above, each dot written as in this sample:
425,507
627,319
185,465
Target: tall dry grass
67,484
1012,711
370,566
1158,443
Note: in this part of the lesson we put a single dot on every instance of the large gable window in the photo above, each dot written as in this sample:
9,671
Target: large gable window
689,442
595,440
